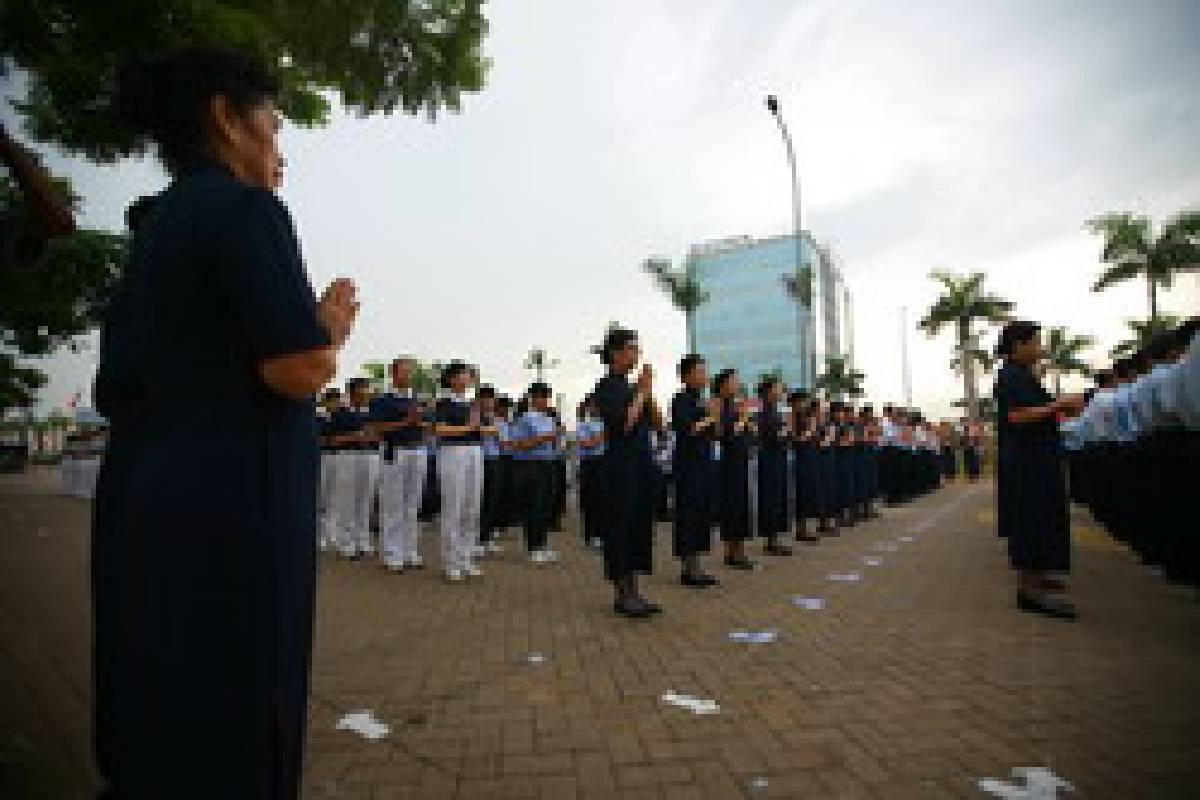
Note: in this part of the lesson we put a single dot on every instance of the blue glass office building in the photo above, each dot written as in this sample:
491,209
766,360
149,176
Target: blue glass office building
751,323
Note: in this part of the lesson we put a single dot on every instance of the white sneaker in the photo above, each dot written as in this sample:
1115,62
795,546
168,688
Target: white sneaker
367,551
347,552
538,557
495,547
550,556
392,565
454,575
478,551
473,571
596,543
415,561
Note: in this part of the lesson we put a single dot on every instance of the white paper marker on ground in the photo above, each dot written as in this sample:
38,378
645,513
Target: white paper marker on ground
887,547
535,658
754,637
906,539
871,561
697,705
845,577
1040,784
364,724
808,603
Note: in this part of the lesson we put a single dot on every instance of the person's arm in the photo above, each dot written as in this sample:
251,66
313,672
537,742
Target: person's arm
299,376
1041,413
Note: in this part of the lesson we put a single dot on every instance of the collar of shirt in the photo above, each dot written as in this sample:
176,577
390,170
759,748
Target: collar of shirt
403,394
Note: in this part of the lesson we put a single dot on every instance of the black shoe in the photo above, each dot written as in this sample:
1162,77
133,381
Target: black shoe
1046,606
807,537
777,550
698,580
742,563
653,608
634,609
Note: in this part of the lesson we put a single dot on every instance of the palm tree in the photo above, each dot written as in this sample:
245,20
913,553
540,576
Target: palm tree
683,287
377,374
799,287
1062,355
962,302
426,377
1143,331
540,362
839,379
1131,249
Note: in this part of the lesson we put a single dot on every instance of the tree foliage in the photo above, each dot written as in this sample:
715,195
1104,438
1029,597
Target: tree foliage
1143,330
1063,355
682,286
839,379
540,362
963,302
377,56
1131,249
50,297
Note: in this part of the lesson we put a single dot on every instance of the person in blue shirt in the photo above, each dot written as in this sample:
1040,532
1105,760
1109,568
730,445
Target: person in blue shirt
204,528
331,401
589,440
460,427
356,474
490,512
737,432
506,515
532,440
696,422
629,413
1031,497
401,420
773,434
559,491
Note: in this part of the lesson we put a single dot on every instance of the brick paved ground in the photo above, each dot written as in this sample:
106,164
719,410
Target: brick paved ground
911,683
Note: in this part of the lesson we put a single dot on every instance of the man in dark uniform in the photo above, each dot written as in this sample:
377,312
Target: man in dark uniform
773,435
805,476
695,423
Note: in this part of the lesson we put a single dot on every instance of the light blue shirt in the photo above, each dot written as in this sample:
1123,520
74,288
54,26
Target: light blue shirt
491,444
587,429
1182,387
529,425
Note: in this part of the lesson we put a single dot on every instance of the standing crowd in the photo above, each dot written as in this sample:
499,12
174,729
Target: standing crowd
724,463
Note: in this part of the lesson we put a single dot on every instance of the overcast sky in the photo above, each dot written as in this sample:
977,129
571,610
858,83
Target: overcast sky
930,134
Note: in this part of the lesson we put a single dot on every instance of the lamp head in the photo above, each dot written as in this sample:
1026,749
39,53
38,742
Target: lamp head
773,104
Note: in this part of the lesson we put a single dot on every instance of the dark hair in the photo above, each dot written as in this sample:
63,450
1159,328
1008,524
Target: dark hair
1014,333
616,339
797,396
689,363
720,379
504,401
165,97
357,383
1104,379
1123,368
485,391
539,389
332,393
1186,332
765,384
451,370
398,360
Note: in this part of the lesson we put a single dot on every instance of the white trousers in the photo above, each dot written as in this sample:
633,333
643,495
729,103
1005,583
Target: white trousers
326,523
401,486
355,477
460,473
89,473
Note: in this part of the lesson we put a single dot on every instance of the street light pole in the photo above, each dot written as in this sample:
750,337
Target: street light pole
807,366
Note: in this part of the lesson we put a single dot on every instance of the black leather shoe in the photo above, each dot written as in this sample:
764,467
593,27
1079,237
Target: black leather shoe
634,609
653,608
1047,606
742,563
777,550
808,538
698,580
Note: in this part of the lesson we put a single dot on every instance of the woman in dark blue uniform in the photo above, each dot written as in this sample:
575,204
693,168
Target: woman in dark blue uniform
733,470
807,481
695,422
1031,494
773,433
204,526
627,468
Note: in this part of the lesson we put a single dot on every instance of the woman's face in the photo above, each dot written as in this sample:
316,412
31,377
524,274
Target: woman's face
1028,351
460,382
774,393
732,386
626,358
250,142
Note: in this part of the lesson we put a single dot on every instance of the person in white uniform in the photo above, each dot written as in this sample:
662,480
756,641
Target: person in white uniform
401,420
460,428
356,473
331,401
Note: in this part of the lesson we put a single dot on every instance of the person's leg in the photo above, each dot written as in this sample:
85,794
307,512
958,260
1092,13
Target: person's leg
391,514
415,466
370,460
451,484
471,507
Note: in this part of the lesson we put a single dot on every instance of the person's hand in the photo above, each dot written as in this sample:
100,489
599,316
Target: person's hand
338,309
1070,402
645,381
714,407
473,419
